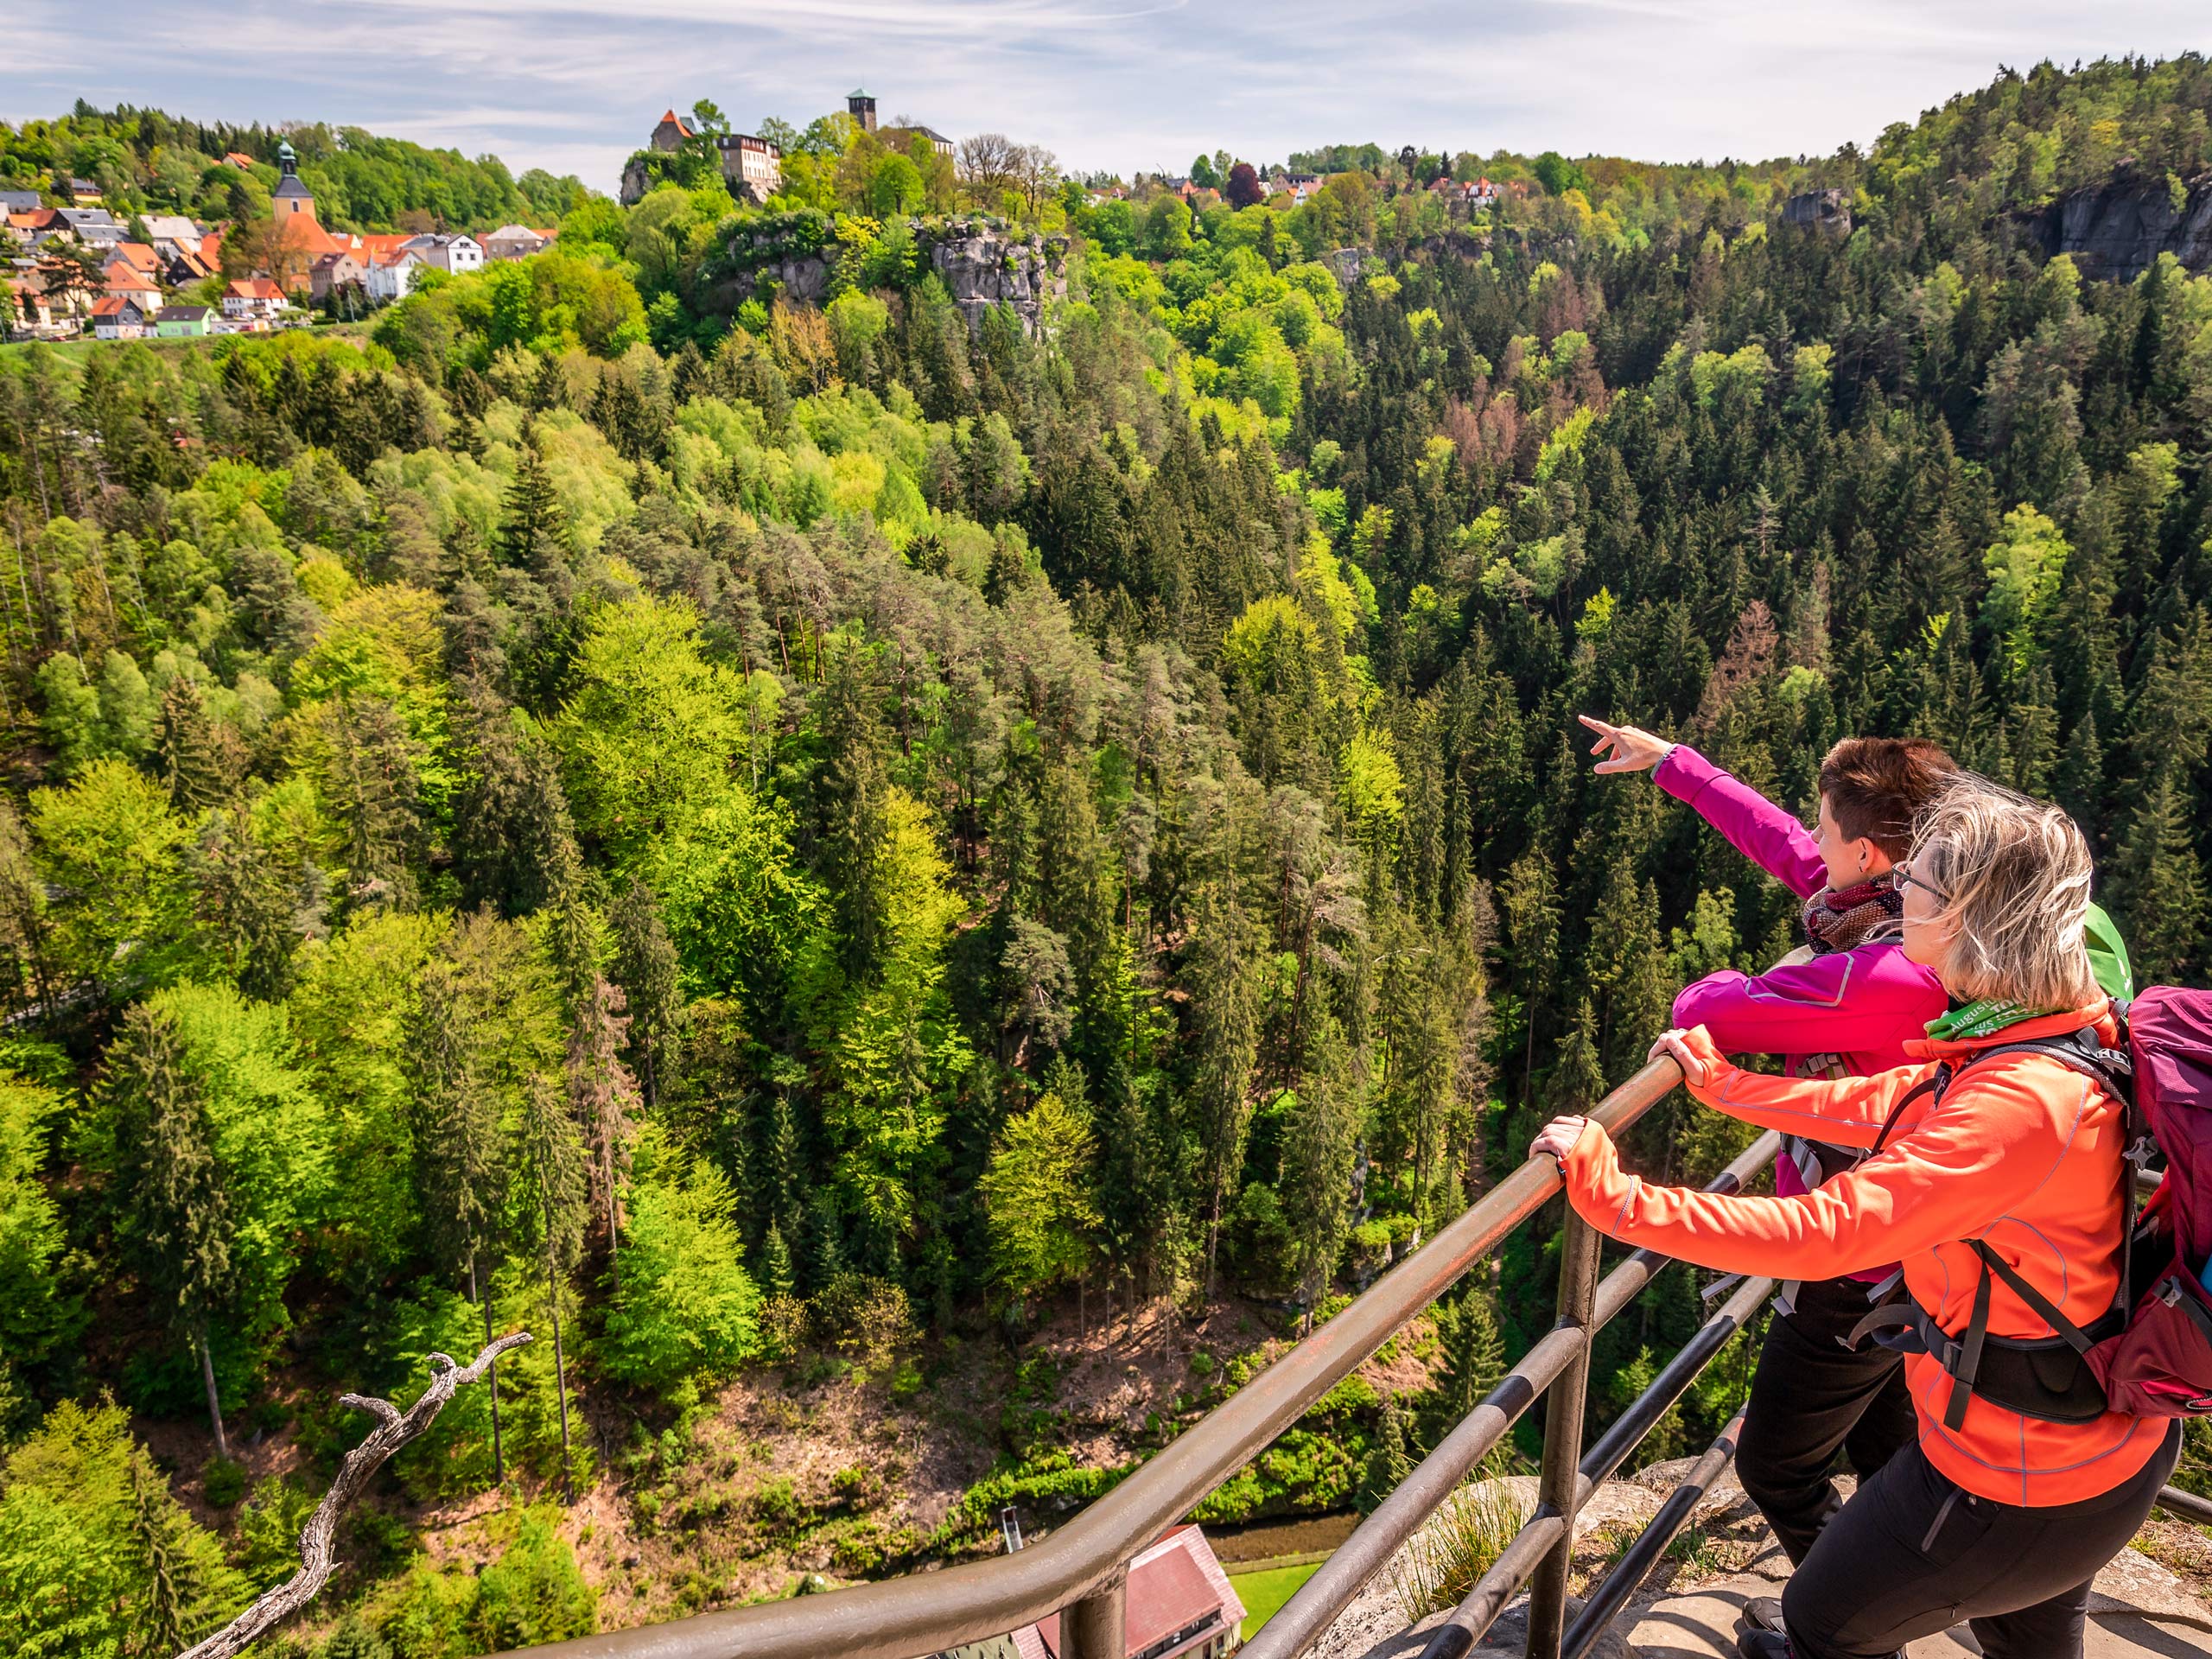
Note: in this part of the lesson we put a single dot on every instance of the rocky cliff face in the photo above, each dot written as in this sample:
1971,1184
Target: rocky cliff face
981,265
2117,229
1828,212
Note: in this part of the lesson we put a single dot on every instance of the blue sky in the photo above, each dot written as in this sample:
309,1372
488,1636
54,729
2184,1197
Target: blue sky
1121,85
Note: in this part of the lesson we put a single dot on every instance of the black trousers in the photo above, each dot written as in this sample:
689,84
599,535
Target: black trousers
1812,1397
1913,1554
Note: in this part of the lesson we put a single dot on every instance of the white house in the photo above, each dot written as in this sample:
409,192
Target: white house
252,298
391,276
456,251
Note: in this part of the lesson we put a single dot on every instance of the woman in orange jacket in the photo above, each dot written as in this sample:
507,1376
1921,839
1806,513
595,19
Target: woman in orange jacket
2021,1484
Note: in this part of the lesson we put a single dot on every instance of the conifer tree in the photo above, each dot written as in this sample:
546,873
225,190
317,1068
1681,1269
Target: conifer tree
462,1166
201,759
645,969
177,1215
553,1191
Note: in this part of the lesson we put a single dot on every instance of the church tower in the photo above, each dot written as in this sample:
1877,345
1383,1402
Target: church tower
292,196
861,108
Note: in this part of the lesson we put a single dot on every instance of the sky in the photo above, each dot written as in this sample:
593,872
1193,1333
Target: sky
1118,85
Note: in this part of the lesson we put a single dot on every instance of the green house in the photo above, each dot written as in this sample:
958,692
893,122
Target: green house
180,321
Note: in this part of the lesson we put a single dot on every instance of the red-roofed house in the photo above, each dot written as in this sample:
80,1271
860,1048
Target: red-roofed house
119,317
125,281
1181,1605
252,298
236,160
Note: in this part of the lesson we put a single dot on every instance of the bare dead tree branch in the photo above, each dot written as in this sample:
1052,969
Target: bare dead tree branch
394,1429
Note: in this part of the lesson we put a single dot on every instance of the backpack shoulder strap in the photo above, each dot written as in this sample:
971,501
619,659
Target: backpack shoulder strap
2045,1309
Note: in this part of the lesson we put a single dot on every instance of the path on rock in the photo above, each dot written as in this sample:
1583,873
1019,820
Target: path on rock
2138,1607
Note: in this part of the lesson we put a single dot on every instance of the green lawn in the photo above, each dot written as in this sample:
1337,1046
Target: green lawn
1262,1593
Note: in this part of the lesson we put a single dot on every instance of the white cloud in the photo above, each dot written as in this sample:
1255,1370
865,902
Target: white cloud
575,86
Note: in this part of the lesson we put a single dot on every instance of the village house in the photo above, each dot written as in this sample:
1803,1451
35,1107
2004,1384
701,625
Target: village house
118,316
517,242
454,251
135,256
252,298
183,321
19,201
93,225
335,271
391,276
84,193
174,230
124,282
184,267
234,159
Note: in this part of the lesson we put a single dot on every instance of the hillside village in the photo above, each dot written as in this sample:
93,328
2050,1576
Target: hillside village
74,265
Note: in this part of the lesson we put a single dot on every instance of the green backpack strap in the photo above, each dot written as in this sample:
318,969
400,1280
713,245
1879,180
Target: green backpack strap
2108,958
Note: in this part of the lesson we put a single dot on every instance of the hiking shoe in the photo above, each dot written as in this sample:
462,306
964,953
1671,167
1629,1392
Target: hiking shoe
1762,1644
1765,1614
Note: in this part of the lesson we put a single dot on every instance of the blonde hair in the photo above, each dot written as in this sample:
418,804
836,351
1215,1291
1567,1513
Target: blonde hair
2016,874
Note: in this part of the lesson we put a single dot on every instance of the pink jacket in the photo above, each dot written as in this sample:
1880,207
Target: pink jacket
1859,1007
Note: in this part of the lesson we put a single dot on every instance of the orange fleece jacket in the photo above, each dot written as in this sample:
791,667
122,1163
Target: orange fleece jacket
2024,1154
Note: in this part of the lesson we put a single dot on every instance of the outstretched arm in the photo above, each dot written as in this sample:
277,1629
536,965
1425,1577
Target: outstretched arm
1848,1111
1948,1180
1763,832
1841,1001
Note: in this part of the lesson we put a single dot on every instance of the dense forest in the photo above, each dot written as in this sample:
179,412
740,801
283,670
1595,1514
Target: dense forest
798,850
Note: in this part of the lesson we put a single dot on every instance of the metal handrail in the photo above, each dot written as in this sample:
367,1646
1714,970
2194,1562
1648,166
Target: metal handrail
1301,1621
922,1614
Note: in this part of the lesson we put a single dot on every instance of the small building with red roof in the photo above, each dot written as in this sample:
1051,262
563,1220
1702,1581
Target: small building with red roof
1181,1605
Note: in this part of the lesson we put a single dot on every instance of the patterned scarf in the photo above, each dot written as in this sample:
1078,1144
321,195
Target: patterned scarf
1840,919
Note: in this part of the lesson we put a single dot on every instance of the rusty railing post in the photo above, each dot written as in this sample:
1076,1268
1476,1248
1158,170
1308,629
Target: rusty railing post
1094,1627
1556,1491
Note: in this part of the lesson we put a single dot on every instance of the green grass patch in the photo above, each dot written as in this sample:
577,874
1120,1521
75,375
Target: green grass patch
1263,1593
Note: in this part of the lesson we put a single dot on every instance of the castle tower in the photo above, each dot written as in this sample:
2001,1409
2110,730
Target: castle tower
292,196
861,108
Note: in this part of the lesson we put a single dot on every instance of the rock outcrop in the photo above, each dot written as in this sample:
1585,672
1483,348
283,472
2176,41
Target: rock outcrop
981,267
980,264
2116,230
1828,212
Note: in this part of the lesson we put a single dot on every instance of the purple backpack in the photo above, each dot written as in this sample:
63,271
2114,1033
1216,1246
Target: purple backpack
2160,1365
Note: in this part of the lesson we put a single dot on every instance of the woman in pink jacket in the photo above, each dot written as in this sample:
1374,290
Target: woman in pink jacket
1845,1008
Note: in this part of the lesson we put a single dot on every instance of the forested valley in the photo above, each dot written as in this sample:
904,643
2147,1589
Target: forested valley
928,896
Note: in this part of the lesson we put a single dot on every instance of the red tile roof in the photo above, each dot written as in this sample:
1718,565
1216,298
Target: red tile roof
255,288
1174,1584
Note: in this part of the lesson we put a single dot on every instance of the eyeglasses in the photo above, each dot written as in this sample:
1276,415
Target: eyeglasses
1907,879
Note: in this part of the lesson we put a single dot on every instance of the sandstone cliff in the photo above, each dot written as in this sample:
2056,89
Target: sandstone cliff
2117,229
982,265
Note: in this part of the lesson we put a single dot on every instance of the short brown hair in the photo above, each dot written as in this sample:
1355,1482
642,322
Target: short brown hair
1876,787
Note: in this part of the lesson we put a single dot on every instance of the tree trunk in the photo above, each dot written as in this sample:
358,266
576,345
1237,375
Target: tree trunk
498,1463
613,1238
214,1402
559,1371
